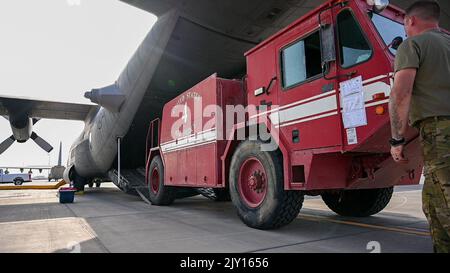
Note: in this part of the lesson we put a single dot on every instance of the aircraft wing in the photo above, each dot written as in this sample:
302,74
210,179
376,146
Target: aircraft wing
26,167
45,109
244,14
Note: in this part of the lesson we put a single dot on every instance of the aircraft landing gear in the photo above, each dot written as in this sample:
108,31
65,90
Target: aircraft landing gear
78,182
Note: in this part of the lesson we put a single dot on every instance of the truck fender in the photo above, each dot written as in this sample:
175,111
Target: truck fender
232,143
151,155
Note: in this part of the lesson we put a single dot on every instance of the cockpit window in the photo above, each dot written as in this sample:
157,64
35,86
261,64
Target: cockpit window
301,61
387,28
353,46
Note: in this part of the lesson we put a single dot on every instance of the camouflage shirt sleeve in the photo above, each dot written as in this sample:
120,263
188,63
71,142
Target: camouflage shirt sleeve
408,56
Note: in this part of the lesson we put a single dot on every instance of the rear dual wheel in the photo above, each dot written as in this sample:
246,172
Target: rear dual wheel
358,203
257,188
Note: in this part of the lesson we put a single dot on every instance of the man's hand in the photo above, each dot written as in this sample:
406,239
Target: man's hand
397,154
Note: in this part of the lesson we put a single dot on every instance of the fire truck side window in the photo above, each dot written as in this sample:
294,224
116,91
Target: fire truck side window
301,61
353,46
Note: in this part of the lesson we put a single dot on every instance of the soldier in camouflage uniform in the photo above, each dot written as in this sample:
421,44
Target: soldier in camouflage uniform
421,94
435,139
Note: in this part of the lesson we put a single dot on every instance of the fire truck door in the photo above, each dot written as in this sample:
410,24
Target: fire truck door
362,73
308,115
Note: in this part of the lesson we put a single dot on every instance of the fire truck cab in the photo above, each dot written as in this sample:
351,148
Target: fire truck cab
320,87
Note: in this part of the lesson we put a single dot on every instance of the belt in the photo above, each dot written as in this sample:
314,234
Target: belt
431,119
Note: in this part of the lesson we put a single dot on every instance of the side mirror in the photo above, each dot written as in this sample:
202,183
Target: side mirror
378,5
395,44
328,45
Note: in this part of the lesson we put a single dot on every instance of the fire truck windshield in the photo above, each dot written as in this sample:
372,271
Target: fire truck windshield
388,29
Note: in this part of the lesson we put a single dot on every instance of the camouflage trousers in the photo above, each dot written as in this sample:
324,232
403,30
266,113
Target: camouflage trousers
435,142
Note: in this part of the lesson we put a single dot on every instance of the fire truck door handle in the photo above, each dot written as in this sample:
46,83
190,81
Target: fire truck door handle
347,75
351,74
267,89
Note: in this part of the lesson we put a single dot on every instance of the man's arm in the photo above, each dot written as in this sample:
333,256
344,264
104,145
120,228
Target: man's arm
400,100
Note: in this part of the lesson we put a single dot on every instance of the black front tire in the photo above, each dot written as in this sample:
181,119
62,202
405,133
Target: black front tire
358,203
165,195
18,182
279,207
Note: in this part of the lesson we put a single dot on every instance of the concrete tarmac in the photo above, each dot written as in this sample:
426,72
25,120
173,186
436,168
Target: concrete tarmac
107,220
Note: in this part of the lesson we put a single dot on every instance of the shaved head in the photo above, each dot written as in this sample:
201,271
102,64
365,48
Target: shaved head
425,10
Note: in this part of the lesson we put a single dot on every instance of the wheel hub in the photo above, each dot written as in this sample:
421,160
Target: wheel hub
257,181
154,183
252,182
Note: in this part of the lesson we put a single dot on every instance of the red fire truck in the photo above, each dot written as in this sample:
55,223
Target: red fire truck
320,88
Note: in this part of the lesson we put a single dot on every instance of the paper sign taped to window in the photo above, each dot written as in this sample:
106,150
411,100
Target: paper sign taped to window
352,86
355,118
353,103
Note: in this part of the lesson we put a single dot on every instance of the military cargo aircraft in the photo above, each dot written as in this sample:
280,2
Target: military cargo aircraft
191,40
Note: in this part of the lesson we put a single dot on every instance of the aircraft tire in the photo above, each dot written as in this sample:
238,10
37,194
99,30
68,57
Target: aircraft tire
79,182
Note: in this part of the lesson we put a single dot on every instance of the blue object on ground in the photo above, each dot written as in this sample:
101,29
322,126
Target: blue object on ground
66,195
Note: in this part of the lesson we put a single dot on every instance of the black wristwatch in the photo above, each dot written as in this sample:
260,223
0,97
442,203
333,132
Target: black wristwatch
397,142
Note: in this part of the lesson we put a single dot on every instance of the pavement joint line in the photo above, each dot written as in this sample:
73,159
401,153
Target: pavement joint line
159,213
408,191
404,230
38,220
414,223
88,229
34,187
310,241
384,213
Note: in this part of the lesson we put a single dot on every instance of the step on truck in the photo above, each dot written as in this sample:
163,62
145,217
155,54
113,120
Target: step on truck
309,118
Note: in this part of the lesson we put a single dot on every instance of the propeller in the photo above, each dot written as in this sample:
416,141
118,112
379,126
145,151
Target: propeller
37,139
41,142
6,144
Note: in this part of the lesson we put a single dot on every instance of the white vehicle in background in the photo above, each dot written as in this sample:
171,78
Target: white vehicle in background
16,178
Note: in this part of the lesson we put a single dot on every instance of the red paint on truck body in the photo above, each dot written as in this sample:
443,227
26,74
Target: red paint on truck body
322,159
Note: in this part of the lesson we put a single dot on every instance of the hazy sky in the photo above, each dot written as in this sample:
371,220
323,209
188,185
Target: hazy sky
57,50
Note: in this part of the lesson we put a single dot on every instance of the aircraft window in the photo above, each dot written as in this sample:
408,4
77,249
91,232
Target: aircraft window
354,47
301,60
